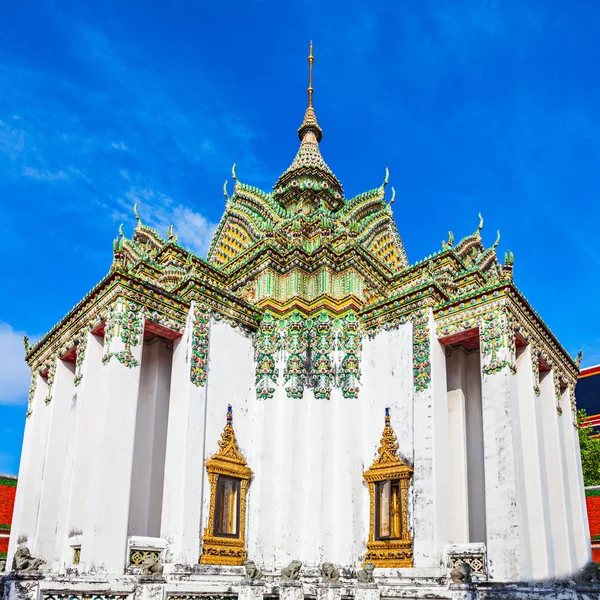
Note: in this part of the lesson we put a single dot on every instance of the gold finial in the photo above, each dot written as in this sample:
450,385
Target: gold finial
311,60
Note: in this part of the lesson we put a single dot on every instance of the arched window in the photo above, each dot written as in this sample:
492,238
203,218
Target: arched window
224,540
390,543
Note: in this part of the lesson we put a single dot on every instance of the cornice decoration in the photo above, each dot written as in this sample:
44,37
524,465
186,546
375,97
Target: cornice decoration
323,344
82,339
125,321
557,391
32,388
295,344
421,351
200,344
50,379
267,346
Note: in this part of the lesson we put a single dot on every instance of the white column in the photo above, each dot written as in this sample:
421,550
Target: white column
24,521
536,532
181,523
458,525
559,540
431,465
88,400
504,494
570,488
104,545
581,527
56,453
150,440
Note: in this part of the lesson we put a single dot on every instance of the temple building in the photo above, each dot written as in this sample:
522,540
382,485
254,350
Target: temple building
304,398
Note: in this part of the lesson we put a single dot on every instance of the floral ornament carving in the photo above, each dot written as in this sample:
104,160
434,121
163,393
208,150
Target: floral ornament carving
295,343
322,346
80,357
535,369
497,343
267,347
50,380
31,395
557,394
421,351
200,342
573,402
125,321
351,347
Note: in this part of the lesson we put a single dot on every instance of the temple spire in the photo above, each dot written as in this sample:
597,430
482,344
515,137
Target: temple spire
311,60
309,131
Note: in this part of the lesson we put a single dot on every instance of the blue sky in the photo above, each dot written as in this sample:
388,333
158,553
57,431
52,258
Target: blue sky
475,105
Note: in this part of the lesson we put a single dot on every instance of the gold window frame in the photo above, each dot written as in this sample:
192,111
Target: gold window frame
395,552
229,462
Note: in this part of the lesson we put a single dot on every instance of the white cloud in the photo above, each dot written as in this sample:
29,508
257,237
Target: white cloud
194,230
119,145
14,372
44,174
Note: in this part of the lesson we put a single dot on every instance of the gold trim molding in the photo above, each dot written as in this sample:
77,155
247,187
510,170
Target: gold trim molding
230,462
389,467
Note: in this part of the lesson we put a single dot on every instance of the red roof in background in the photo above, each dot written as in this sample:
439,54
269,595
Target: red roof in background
589,371
8,489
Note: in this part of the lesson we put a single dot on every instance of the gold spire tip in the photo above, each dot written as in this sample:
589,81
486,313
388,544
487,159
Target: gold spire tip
311,60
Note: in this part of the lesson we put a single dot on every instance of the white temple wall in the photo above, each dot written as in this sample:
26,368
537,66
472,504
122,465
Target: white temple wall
559,541
62,413
536,531
25,514
475,452
150,440
104,545
184,457
432,467
82,442
307,499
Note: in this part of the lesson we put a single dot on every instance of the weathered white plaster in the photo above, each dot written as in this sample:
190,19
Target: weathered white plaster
25,514
145,506
63,409
105,531
184,457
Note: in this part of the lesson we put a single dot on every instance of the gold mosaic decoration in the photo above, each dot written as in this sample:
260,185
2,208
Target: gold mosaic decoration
388,467
229,462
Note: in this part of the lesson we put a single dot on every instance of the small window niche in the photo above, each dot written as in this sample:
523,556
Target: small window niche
388,478
224,540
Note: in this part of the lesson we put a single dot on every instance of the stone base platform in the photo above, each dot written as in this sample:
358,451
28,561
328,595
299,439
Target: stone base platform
225,583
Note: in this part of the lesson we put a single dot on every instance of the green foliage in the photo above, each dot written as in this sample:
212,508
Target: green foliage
590,452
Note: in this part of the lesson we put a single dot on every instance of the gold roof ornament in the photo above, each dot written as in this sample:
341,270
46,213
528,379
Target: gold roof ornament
229,460
309,124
